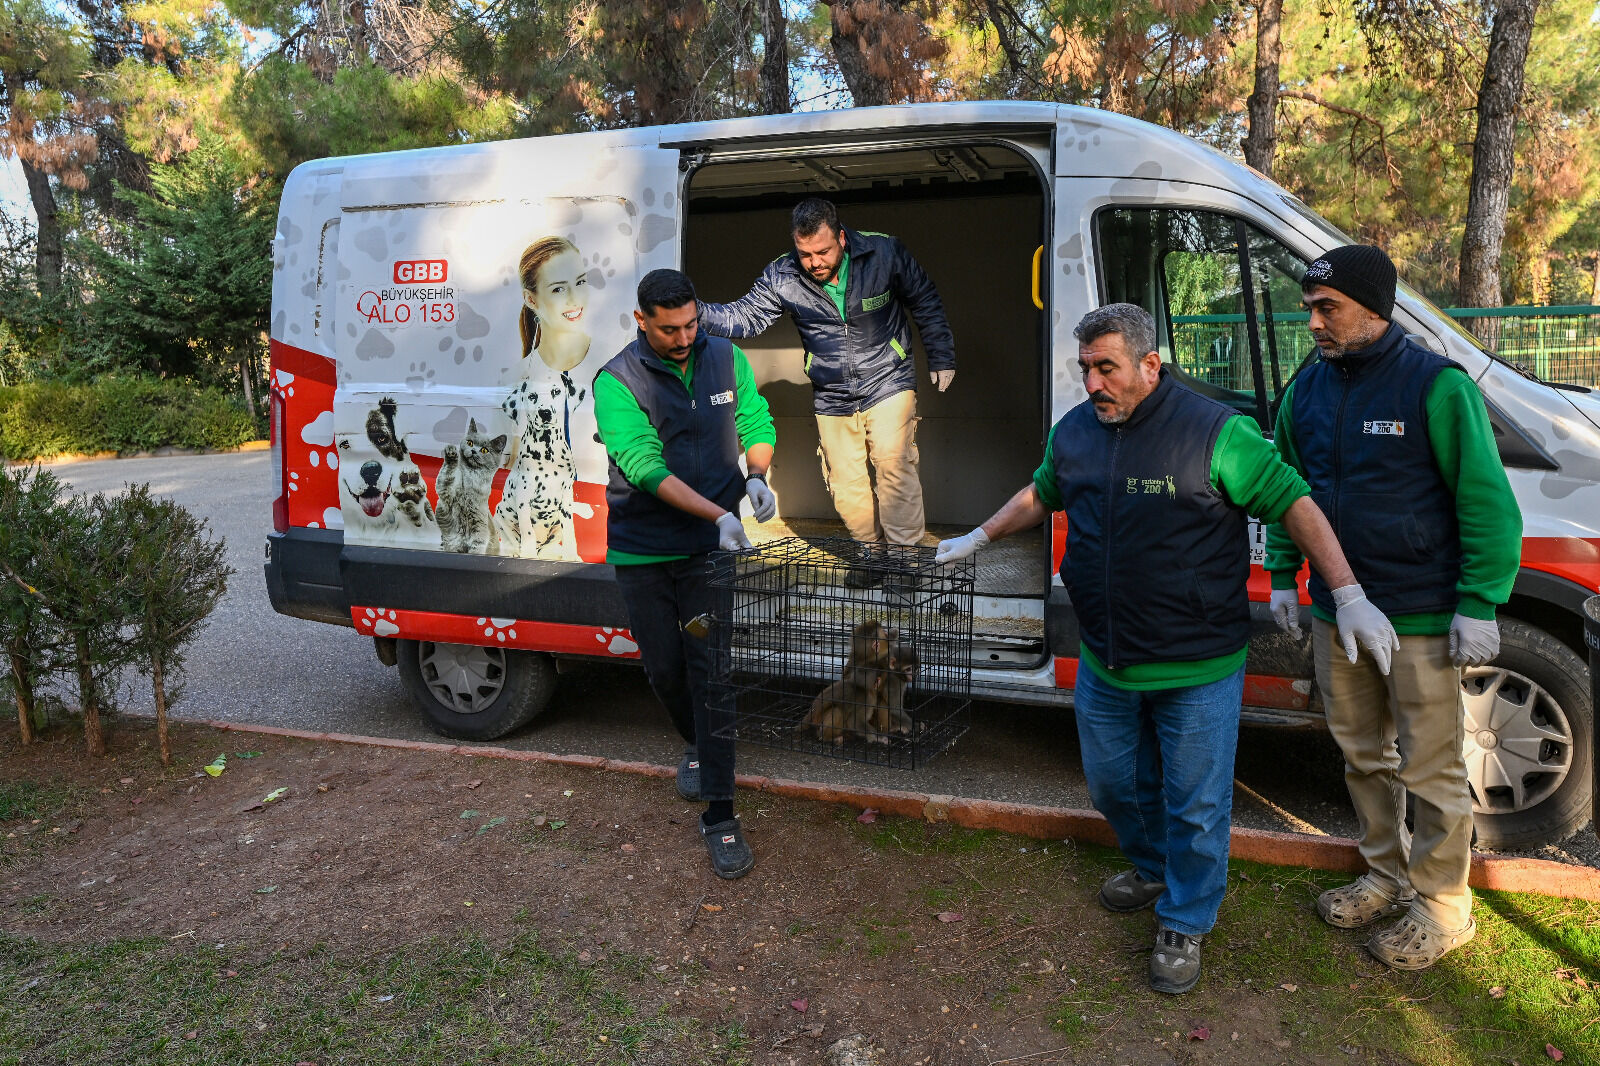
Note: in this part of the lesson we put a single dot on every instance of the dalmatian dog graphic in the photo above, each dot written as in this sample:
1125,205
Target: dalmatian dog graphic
534,518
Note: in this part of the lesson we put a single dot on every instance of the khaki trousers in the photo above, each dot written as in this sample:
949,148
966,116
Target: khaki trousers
1399,734
886,435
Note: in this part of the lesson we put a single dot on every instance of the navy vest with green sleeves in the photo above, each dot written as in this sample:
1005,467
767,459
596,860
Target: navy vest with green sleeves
699,442
1361,431
1157,559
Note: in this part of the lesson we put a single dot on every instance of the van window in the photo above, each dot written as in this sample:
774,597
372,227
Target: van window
1225,297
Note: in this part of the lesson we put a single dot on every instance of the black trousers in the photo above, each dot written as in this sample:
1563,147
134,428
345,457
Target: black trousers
661,597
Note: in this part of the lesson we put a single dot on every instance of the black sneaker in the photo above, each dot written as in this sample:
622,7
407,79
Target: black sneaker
1175,963
689,775
730,855
863,574
902,586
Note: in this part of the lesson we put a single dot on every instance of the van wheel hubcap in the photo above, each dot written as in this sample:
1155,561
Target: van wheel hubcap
1518,742
463,677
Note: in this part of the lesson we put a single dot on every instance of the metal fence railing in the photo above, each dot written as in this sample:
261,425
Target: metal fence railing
1556,343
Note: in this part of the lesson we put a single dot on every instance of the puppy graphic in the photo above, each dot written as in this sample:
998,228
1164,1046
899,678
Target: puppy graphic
382,495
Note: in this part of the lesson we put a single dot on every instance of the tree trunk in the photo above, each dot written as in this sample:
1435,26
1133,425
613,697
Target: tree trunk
357,17
1499,98
852,41
22,685
1261,144
249,389
774,59
47,253
158,683
1594,296
89,696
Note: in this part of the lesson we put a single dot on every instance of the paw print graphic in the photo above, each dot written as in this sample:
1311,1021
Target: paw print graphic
499,628
617,641
381,621
294,481
599,269
282,379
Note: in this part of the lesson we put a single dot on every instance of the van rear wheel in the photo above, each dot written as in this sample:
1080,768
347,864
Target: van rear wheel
467,692
1529,740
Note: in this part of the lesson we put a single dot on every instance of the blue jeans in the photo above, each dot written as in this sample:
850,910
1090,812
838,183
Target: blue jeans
1160,768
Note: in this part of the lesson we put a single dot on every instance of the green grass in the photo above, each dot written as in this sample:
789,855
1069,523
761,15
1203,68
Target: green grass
29,799
443,1001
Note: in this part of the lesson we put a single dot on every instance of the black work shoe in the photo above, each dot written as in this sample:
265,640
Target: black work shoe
1128,891
863,575
689,775
1175,963
901,587
730,855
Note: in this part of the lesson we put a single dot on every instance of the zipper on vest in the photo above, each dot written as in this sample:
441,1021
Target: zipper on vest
1111,508
1338,447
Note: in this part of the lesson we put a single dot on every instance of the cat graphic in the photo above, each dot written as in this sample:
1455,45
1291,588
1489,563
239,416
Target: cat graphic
463,488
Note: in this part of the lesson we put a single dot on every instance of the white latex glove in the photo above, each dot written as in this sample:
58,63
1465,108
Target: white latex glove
730,533
1286,611
961,547
1473,642
762,501
1361,623
942,378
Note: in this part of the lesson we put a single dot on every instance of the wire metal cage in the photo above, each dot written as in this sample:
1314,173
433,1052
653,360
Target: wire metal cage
837,648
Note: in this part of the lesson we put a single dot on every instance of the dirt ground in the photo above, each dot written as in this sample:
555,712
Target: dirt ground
938,944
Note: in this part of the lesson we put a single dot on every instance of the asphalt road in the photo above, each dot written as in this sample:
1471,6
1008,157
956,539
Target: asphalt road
253,665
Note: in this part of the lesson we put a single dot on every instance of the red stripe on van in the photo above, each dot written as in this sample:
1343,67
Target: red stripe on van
304,381
1574,558
495,632
1282,693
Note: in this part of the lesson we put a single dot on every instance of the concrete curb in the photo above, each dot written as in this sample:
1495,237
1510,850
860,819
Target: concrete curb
160,453
1338,854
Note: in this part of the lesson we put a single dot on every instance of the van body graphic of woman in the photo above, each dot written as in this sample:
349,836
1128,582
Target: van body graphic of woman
534,517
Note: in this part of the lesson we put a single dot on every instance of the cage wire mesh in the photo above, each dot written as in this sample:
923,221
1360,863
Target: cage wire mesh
824,646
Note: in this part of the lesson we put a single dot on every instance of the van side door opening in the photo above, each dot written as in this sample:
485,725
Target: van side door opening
973,215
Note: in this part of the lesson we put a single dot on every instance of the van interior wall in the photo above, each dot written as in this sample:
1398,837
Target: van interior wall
980,441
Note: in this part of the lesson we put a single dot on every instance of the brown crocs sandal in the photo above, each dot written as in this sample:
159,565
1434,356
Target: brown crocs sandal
1413,943
1359,903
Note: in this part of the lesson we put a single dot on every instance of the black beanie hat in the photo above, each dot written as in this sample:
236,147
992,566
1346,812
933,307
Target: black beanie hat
1361,271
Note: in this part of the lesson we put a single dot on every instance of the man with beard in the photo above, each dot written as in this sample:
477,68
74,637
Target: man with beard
1396,445
1157,482
676,409
849,293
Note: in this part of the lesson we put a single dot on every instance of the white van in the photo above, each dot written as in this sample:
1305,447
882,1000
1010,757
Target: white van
439,483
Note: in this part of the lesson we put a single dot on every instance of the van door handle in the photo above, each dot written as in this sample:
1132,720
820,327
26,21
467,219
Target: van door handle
1038,254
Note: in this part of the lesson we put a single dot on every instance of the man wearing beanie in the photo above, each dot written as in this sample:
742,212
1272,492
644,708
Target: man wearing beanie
1396,445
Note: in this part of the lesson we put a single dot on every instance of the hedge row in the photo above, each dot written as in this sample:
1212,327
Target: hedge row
44,419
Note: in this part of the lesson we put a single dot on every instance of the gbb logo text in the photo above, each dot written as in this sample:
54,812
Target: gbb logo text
412,271
1384,429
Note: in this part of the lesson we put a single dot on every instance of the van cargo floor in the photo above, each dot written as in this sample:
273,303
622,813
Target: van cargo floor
1015,566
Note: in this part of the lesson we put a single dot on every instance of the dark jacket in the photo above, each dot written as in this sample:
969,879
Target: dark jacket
699,443
1157,558
865,358
1361,432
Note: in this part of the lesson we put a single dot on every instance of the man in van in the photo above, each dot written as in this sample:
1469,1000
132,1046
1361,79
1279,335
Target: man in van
852,295
676,409
1157,483
1397,447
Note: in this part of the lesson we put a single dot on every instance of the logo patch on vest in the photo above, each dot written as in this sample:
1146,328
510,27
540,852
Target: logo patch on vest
1384,429
722,397
1151,486
872,303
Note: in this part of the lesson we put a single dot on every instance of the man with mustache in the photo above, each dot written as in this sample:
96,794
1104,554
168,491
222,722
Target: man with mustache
849,293
1396,444
1157,482
676,409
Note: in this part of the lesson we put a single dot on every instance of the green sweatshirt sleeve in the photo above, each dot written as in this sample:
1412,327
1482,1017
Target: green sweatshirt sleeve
1248,470
629,437
1487,515
752,418
1283,555
1044,478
